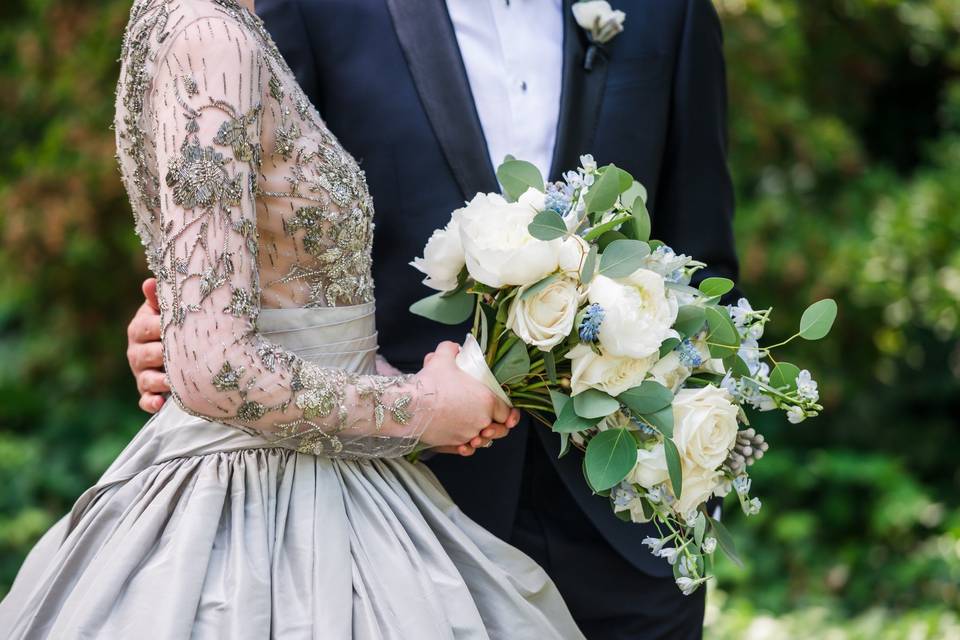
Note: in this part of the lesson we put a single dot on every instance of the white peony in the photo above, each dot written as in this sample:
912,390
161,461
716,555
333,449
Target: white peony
639,313
599,18
573,253
670,371
705,427
610,374
442,258
651,468
498,249
543,319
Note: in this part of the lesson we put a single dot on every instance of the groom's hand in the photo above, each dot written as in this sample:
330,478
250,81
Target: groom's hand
144,351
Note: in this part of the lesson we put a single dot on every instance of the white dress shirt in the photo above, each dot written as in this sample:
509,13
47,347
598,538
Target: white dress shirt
513,54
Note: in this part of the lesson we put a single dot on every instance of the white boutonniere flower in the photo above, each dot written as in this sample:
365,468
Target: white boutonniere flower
601,22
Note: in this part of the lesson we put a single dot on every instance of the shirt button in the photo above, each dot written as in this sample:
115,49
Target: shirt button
523,86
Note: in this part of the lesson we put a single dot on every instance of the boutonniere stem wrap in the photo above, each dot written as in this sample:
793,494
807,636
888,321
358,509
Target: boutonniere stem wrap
601,22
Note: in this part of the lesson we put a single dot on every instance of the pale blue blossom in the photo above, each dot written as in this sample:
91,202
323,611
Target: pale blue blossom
740,312
709,545
655,544
752,507
690,356
807,387
796,415
741,484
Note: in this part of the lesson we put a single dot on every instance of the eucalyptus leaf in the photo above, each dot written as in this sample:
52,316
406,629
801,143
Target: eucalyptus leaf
564,445
715,287
558,400
699,528
445,309
514,364
690,320
722,337
739,367
516,176
636,190
725,541
539,286
589,265
784,376
547,226
649,397
609,225
641,219
603,193
662,420
668,345
623,257
610,237
818,319
593,403
610,456
674,468
569,422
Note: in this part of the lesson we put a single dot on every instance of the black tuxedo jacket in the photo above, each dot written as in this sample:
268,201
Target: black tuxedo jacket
388,78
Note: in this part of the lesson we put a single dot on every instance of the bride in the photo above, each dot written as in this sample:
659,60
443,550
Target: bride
272,499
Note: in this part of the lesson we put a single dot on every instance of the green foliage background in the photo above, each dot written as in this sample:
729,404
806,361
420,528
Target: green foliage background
845,133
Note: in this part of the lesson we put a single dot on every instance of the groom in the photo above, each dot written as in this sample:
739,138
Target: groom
429,96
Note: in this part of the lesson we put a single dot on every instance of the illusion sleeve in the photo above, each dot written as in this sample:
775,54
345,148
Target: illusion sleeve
205,114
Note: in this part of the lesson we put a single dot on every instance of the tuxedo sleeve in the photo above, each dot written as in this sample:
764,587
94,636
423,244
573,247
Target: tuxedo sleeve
290,31
694,208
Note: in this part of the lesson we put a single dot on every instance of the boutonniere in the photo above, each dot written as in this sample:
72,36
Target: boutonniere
601,22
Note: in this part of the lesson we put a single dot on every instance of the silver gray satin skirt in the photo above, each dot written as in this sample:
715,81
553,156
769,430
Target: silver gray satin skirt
199,530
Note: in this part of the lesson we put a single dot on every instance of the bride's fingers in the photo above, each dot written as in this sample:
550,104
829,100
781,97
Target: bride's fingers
495,431
427,358
479,442
466,450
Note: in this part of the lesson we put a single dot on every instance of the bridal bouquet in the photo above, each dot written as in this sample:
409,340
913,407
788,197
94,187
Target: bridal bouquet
592,327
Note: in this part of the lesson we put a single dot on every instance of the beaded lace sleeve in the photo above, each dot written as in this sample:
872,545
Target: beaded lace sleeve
205,115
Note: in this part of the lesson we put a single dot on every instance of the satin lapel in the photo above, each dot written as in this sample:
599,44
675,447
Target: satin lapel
580,97
430,46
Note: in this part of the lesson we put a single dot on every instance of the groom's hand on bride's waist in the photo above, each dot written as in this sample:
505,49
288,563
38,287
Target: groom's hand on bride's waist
144,351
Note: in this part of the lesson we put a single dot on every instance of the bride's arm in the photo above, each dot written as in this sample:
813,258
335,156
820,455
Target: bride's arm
206,102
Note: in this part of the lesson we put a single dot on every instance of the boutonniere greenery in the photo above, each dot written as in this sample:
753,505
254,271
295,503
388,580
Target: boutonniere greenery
601,22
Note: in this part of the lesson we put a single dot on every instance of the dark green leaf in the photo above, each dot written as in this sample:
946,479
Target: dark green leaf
449,309
674,468
817,320
641,220
547,226
649,397
610,456
668,345
609,225
569,422
739,367
610,237
603,193
564,445
662,420
623,257
550,363
725,540
594,404
514,364
516,176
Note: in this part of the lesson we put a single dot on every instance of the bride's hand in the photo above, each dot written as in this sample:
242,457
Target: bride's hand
466,415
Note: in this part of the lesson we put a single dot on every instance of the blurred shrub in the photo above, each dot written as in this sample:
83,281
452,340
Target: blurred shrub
845,132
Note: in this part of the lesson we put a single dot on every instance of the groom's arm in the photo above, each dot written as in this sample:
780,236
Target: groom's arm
694,207
288,27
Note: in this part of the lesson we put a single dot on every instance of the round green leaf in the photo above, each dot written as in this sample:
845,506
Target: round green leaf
516,176
514,364
817,320
594,404
649,397
662,420
589,265
446,309
722,337
713,287
569,422
547,226
603,193
784,376
690,320
623,257
610,456
641,219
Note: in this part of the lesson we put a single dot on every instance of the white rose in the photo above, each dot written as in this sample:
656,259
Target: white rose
670,371
710,364
498,249
599,18
638,313
651,468
546,317
610,374
573,252
442,258
705,426
698,485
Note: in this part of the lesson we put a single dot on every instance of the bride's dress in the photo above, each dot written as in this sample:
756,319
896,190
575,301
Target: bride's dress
271,499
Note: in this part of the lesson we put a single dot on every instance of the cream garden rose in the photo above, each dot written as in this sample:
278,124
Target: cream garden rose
670,371
697,487
442,258
610,374
705,426
638,310
543,319
599,18
498,249
651,467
